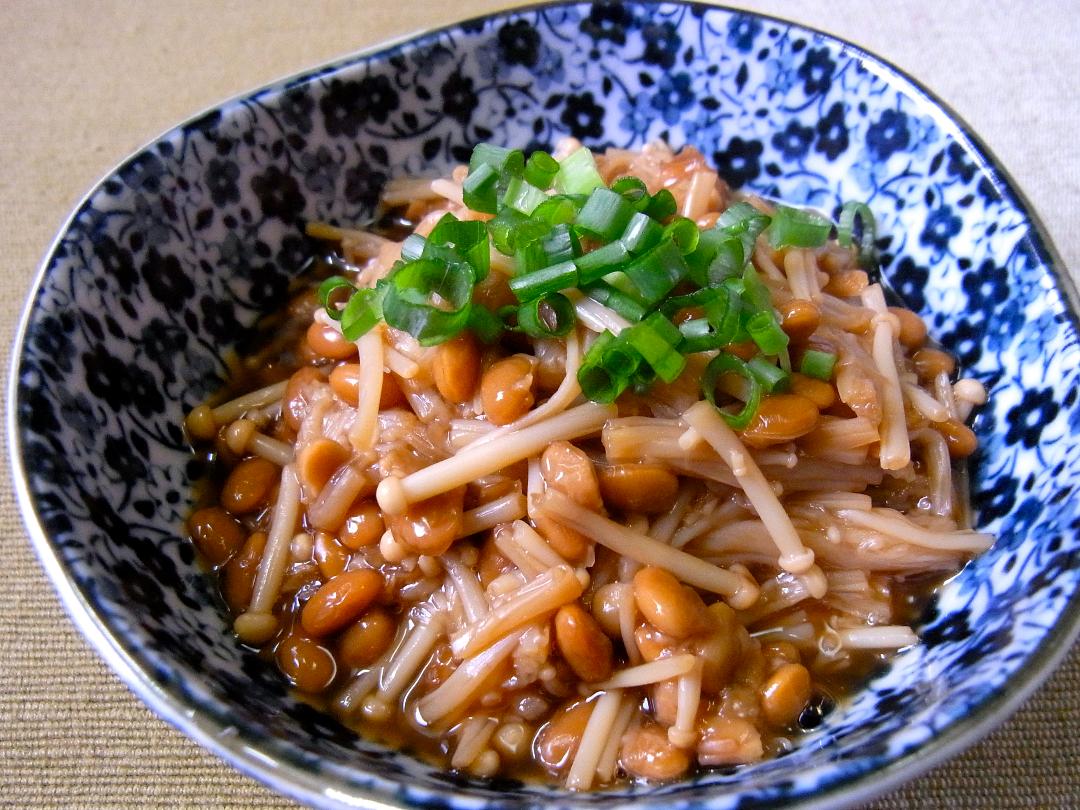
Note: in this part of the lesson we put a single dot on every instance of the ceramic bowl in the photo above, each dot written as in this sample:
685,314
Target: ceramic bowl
158,276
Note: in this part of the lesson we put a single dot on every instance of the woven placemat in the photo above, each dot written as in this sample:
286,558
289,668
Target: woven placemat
84,84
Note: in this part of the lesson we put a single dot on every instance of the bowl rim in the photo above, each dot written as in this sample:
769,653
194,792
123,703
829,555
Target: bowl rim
293,781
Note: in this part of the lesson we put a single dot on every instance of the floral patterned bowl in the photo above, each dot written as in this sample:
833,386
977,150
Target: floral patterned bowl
160,273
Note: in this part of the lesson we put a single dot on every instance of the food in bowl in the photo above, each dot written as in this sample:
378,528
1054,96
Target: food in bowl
603,471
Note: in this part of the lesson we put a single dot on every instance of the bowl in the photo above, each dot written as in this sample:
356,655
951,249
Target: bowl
158,276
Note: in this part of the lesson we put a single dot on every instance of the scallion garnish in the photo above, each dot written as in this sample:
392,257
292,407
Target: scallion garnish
429,299
605,215
729,364
540,170
771,377
548,316
547,280
845,229
794,227
818,364
626,249
577,173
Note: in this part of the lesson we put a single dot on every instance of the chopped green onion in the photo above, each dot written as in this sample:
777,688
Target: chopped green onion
655,340
480,189
551,315
846,227
487,326
578,174
429,299
771,377
642,232
818,364
796,227
502,229
661,205
766,332
600,379
559,209
633,190
531,257
745,221
613,298
718,328
605,214
726,363
361,313
326,292
598,263
656,272
469,240
413,247
540,170
522,196
684,233
504,161
561,245
755,293
547,280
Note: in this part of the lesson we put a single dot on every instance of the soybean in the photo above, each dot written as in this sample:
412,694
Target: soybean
638,488
931,362
456,368
779,419
432,525
506,389
821,393
248,487
667,604
309,666
647,753
959,438
363,526
785,694
558,741
328,342
569,470
799,319
582,643
912,332
295,400
238,575
345,380
364,642
216,534
331,556
340,601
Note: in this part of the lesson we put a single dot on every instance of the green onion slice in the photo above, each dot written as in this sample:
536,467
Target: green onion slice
727,363
577,173
562,276
616,299
481,188
684,233
431,300
771,377
818,364
846,228
661,205
540,170
796,227
551,315
765,331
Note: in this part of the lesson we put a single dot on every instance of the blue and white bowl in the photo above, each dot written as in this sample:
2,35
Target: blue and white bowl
159,274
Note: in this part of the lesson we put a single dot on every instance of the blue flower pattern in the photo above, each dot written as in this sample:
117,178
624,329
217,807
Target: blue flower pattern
168,264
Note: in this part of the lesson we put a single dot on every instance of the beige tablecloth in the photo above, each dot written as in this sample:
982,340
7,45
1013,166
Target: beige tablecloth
84,83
